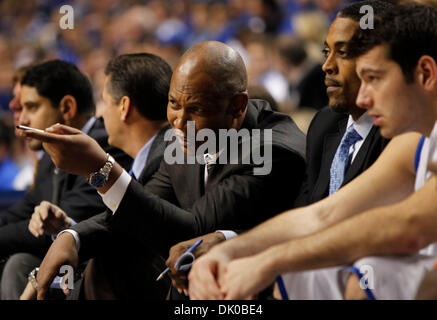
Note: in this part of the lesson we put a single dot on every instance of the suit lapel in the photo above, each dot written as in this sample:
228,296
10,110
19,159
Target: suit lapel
155,156
357,164
188,183
58,178
250,122
330,145
214,177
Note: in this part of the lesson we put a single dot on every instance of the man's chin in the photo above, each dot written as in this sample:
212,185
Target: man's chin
338,107
188,151
34,145
389,133
112,143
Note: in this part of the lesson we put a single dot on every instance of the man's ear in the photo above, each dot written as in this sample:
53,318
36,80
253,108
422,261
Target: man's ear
238,104
427,72
125,108
68,107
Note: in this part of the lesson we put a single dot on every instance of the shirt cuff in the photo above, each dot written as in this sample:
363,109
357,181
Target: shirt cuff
112,198
75,236
229,234
72,223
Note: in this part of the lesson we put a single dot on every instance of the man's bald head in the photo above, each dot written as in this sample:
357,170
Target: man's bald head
220,62
208,87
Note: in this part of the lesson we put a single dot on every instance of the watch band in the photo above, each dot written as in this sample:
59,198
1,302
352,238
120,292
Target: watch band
32,278
106,169
99,178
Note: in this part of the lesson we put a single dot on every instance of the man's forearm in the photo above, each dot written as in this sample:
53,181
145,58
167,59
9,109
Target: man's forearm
284,227
375,187
402,228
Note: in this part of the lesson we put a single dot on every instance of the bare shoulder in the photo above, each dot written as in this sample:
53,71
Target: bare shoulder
401,151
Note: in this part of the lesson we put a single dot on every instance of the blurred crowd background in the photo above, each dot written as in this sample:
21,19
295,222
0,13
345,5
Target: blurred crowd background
280,40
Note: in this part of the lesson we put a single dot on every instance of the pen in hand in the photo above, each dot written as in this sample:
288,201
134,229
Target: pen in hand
29,128
191,249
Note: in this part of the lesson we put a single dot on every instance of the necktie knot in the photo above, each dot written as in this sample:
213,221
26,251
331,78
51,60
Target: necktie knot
132,174
209,161
342,159
351,137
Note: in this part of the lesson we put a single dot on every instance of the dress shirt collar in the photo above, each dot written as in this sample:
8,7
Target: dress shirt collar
363,125
211,157
141,158
88,125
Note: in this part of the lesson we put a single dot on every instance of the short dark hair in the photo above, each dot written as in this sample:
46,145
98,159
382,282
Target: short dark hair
409,31
145,79
353,11
20,72
55,79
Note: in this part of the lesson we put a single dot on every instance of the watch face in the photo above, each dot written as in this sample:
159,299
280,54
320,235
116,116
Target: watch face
98,180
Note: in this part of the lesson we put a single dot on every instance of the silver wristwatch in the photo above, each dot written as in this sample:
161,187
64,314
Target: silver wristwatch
32,278
98,179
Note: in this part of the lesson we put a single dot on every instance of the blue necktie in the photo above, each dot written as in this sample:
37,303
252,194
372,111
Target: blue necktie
131,172
342,159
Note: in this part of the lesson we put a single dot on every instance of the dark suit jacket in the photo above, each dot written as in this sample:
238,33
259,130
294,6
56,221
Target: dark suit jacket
120,265
324,135
76,197
96,230
175,205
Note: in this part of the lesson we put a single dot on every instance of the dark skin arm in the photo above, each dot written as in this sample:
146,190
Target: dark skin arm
180,278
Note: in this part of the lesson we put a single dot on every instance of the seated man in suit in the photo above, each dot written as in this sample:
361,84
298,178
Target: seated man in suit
51,92
135,113
379,213
25,177
184,200
326,132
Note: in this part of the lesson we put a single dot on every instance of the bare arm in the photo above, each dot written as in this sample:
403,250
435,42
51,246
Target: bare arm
401,228
389,180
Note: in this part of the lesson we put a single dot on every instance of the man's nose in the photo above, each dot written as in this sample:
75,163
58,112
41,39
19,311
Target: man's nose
14,104
363,98
330,66
24,119
180,121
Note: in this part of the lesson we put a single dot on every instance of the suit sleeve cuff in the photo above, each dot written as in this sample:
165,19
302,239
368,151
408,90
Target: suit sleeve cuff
72,223
229,234
112,198
75,236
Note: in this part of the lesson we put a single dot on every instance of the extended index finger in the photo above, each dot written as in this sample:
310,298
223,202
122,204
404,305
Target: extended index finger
45,136
55,133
